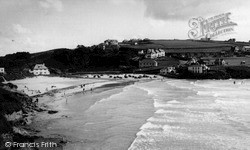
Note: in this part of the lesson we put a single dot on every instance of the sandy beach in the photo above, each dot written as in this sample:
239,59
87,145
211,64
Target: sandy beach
139,114
75,108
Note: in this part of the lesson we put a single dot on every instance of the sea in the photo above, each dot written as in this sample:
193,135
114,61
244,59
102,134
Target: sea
164,114
196,115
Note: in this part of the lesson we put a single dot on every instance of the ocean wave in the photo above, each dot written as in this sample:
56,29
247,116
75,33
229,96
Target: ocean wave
150,125
164,111
157,104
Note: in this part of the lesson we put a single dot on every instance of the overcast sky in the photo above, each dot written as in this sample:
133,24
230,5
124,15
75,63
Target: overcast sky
39,25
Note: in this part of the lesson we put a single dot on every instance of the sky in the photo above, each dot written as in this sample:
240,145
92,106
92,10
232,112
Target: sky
40,25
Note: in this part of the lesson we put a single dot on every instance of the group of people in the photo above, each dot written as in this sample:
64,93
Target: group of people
32,91
83,87
242,82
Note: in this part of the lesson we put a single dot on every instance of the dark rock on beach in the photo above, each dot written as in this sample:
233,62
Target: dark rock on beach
52,111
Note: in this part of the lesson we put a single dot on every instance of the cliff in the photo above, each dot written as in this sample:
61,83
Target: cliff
14,110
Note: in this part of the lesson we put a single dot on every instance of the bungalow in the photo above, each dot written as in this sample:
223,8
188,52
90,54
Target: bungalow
41,69
198,68
147,63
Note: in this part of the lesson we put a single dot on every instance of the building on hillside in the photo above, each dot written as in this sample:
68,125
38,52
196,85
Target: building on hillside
219,62
40,69
236,49
147,63
161,53
154,53
246,48
2,70
151,54
198,68
205,39
101,46
111,42
168,69
192,61
209,62
140,52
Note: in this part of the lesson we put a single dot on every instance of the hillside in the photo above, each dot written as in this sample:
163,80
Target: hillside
182,44
95,58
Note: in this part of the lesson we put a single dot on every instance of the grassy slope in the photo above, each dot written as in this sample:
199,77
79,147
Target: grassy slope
185,44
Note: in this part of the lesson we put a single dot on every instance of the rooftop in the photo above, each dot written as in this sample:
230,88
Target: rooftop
40,66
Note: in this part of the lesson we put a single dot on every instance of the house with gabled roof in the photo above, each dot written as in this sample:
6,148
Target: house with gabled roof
40,69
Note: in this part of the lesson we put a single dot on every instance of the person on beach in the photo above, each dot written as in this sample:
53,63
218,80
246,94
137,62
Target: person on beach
36,102
234,82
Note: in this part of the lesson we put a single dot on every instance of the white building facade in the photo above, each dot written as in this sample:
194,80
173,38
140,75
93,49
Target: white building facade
41,69
198,68
152,53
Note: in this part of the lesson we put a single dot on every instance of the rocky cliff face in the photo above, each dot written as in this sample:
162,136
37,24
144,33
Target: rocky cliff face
15,108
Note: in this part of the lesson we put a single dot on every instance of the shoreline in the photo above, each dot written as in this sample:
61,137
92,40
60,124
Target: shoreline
53,108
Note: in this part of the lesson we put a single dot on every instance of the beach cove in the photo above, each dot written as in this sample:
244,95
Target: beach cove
76,108
147,114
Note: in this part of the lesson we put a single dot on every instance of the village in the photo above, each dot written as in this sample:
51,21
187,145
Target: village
150,58
197,61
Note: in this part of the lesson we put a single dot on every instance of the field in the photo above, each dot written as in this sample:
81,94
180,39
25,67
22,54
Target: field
235,61
179,44
182,44
188,44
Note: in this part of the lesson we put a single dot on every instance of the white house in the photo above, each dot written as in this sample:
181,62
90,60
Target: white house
41,69
152,53
2,70
147,63
198,68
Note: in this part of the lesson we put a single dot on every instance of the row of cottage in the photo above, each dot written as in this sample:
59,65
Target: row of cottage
196,68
